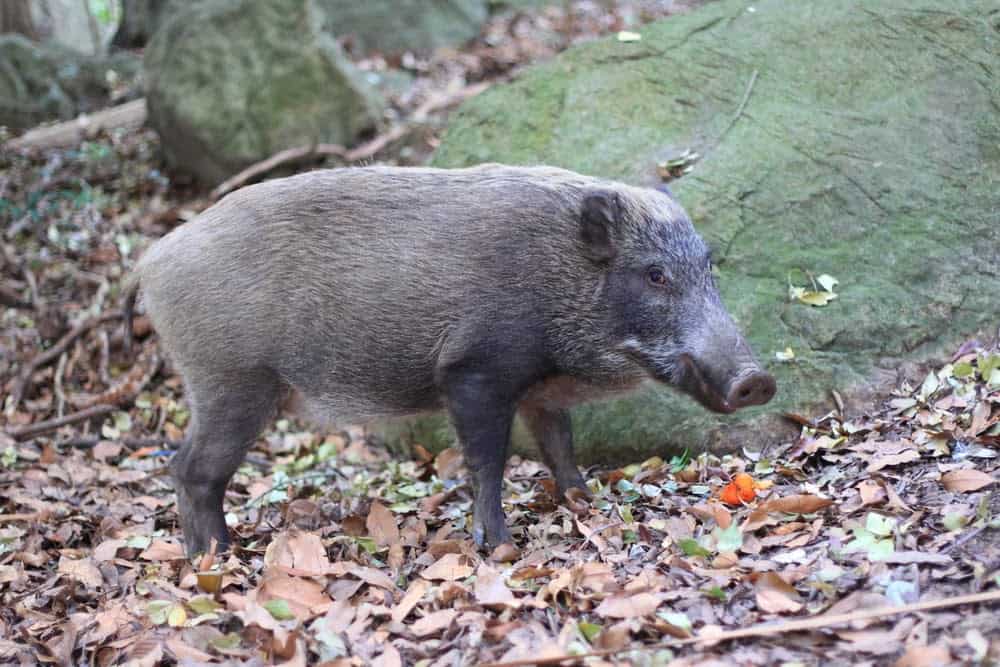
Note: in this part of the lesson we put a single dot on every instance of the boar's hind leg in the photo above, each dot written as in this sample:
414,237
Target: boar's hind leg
482,419
553,434
228,411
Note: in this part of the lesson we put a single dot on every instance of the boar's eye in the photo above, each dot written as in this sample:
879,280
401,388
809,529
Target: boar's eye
656,276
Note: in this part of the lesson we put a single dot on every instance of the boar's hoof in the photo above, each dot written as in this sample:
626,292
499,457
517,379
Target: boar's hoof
489,534
200,524
565,483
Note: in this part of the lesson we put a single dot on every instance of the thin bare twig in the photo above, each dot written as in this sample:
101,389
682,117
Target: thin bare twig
88,441
52,424
53,353
58,385
769,629
740,109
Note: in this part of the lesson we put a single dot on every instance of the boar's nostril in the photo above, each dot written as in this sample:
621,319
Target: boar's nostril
756,388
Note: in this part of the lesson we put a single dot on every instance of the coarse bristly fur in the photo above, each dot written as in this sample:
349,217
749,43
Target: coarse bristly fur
381,291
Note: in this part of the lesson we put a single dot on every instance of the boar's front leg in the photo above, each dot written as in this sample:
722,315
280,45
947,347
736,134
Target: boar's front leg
482,414
553,433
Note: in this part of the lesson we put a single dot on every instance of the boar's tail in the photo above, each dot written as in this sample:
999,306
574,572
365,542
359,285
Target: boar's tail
128,309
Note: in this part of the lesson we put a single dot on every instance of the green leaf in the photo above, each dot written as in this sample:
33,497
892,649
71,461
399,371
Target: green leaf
279,609
203,604
368,544
631,470
878,524
730,539
715,593
955,522
157,610
690,547
676,619
962,369
877,549
226,642
625,512
588,630
987,364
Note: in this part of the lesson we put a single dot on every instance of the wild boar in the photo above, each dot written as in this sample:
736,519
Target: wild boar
381,292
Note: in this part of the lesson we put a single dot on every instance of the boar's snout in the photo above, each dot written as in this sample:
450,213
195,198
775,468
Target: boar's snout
752,386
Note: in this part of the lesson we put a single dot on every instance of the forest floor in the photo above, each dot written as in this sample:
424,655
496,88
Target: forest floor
868,539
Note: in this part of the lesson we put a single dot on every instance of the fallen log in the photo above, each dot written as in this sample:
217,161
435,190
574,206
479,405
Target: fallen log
129,116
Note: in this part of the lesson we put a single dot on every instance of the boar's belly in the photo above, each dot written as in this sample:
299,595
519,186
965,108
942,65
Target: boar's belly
565,391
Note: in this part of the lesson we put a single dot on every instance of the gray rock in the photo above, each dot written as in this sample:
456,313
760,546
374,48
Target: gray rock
394,26
868,149
42,82
230,82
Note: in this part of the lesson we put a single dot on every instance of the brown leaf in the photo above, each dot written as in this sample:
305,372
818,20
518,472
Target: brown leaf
505,553
628,606
374,577
775,595
299,553
613,638
980,418
884,461
107,550
924,656
966,480
381,524
490,588
434,622
797,504
413,596
83,570
185,653
390,657
159,550
305,597
450,567
447,463
871,492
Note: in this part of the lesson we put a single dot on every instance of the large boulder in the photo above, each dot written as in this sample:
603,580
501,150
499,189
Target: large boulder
42,82
394,26
851,138
230,82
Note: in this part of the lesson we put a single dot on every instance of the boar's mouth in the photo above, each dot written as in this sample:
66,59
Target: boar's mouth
694,382
751,386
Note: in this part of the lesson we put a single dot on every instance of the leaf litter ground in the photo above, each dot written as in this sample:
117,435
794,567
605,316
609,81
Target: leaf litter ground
347,556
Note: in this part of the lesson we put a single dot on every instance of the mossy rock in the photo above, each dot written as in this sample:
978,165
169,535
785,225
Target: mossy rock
851,138
231,82
43,82
394,26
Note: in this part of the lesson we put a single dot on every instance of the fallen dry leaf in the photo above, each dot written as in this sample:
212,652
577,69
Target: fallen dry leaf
628,606
450,567
434,622
410,600
775,595
490,588
299,553
966,480
797,504
159,550
83,570
381,524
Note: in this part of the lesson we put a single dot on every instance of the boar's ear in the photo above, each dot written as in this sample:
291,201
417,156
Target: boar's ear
599,219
